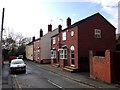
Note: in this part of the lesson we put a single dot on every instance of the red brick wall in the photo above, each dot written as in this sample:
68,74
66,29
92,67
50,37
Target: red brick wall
62,63
56,46
71,41
45,61
86,35
36,48
87,41
100,67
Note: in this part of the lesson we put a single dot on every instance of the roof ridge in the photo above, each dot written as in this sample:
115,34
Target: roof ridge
80,21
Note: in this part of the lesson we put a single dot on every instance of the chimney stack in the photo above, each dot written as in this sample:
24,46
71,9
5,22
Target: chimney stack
50,28
41,32
59,28
68,21
33,38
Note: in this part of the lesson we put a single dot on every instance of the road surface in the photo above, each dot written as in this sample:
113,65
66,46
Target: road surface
36,77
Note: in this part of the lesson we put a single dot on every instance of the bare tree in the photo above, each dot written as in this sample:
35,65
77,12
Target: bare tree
15,43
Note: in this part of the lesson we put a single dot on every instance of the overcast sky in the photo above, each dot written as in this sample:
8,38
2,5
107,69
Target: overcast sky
28,16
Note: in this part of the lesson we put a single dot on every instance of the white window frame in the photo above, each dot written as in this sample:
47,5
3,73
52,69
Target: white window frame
53,54
97,33
62,53
64,36
54,40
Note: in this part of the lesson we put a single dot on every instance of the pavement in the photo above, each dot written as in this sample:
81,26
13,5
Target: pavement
6,80
80,77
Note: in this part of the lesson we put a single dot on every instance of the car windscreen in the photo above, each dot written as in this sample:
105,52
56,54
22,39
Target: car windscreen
17,62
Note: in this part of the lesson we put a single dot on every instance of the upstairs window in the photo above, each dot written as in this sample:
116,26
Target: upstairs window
72,33
64,36
97,33
54,40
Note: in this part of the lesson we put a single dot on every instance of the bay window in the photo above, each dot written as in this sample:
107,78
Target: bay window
53,54
63,53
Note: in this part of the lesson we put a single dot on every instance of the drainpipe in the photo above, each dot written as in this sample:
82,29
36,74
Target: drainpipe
59,35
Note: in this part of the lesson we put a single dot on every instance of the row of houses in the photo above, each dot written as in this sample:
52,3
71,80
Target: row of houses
69,48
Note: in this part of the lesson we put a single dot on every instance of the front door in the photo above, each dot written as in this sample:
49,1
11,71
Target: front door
72,58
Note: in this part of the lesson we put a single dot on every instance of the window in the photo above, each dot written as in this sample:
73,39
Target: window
72,33
53,54
63,53
54,40
97,33
64,36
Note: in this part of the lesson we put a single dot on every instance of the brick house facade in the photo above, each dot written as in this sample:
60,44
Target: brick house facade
105,68
36,50
45,45
71,49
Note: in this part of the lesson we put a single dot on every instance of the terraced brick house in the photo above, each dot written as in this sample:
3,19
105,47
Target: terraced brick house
70,47
36,50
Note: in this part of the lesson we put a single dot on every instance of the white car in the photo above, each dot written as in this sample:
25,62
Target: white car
17,65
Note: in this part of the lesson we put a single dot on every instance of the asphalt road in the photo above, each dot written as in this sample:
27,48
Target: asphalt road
36,77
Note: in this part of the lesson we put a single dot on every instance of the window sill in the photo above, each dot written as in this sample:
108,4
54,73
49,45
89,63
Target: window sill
63,58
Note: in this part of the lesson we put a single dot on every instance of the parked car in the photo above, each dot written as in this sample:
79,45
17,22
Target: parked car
20,57
17,65
11,58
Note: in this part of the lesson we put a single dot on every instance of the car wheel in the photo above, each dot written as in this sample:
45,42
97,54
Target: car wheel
11,71
24,71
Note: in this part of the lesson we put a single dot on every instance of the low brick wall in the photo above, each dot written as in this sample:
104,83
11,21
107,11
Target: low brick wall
45,61
100,67
53,61
62,63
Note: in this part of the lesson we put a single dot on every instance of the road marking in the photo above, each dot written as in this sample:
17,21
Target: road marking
56,85
17,82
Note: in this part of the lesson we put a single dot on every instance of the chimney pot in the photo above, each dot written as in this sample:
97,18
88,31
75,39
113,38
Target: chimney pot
33,39
60,28
41,32
68,21
50,28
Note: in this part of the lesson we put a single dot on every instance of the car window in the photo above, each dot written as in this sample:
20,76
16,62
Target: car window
20,56
17,62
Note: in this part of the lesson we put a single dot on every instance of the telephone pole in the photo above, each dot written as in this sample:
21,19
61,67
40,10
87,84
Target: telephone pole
1,33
